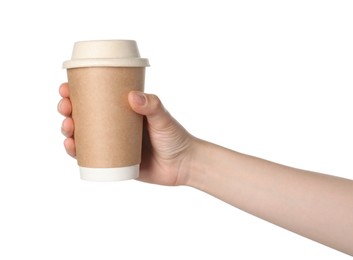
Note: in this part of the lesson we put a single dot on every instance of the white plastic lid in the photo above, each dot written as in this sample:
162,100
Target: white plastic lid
105,53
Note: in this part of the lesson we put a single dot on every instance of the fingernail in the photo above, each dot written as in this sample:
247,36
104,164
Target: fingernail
139,98
59,105
63,132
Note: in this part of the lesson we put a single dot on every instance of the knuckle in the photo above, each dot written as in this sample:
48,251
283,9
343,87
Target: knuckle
155,102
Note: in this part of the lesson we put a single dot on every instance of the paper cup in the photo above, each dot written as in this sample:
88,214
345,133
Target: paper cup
108,133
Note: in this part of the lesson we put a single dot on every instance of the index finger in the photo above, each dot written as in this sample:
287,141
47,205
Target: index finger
64,90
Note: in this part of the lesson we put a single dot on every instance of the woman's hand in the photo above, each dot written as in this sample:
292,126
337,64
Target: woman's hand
167,146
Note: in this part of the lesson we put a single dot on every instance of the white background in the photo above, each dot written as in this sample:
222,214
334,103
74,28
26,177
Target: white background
267,78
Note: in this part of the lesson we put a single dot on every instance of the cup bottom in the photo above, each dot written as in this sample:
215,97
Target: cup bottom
110,174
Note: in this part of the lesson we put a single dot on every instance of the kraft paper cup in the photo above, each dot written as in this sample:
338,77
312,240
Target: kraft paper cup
108,133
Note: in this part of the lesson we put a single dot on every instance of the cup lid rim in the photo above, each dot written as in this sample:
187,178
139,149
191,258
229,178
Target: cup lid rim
103,62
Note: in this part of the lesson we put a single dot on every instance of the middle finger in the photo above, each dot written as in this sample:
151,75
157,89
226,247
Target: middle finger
64,107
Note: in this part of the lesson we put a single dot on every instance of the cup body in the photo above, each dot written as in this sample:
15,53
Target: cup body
108,133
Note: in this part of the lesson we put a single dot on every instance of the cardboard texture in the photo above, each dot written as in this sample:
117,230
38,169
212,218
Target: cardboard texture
108,133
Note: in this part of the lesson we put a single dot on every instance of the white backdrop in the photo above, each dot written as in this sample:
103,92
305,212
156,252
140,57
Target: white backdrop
267,78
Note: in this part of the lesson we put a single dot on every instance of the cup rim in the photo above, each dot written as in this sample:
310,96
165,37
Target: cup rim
121,62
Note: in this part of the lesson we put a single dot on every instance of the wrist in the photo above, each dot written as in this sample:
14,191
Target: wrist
197,163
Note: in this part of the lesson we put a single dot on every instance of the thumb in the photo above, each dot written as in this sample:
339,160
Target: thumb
150,106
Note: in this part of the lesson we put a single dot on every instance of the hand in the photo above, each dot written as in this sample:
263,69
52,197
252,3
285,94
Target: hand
167,146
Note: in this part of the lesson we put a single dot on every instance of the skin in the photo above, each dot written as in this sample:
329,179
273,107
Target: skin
314,205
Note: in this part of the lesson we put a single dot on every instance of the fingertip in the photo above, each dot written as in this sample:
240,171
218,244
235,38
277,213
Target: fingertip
59,106
143,103
64,90
67,127
150,106
137,101
64,107
69,145
137,98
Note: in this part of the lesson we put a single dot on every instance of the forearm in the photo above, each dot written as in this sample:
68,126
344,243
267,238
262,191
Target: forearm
314,205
